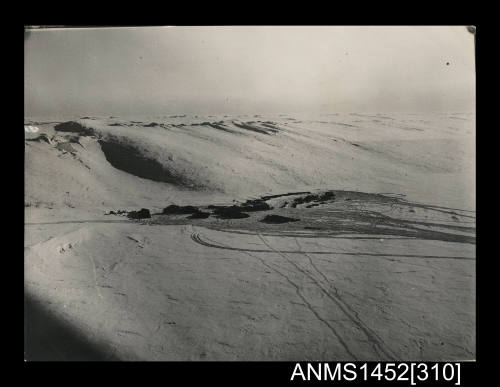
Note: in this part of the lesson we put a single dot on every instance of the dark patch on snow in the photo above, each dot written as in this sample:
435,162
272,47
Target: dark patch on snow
276,219
128,159
252,205
325,196
72,126
239,211
199,215
179,210
118,212
230,212
143,213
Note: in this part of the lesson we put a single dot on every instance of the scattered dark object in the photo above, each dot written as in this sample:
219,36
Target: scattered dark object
255,205
250,205
329,195
179,210
141,214
277,219
119,212
232,212
199,215
72,126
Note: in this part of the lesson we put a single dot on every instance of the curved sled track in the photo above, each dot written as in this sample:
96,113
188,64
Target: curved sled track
198,239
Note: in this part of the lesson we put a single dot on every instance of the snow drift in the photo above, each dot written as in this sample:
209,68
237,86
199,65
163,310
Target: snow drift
427,158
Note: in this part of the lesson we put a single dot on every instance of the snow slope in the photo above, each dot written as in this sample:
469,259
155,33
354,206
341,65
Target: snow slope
428,159
215,289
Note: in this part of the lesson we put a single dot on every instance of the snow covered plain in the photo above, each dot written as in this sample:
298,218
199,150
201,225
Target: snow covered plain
375,262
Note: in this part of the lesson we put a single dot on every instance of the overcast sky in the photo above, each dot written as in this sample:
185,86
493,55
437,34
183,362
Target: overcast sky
146,70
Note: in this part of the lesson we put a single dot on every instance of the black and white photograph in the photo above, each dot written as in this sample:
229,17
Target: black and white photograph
250,193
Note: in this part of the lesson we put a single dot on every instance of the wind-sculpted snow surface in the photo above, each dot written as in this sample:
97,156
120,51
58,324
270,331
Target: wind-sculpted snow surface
258,237
428,159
